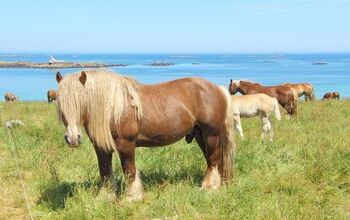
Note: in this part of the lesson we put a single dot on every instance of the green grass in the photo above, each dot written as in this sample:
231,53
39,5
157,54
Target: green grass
304,174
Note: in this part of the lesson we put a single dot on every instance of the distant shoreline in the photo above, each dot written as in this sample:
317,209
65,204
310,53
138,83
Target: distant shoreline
23,64
46,65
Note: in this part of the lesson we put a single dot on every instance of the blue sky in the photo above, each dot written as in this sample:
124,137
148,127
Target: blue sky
177,26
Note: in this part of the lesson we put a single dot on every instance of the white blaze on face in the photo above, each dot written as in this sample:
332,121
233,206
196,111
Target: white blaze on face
73,135
236,83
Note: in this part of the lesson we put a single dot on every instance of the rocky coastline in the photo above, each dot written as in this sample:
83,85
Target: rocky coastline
57,65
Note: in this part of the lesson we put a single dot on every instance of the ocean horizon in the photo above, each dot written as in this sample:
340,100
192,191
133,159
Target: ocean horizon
331,72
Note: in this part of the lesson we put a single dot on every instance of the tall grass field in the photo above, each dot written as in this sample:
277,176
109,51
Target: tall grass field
303,174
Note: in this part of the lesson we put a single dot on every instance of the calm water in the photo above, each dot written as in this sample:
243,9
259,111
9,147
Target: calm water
268,69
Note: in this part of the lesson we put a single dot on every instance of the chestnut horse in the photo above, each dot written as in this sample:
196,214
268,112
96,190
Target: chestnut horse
51,95
285,96
119,114
303,89
331,95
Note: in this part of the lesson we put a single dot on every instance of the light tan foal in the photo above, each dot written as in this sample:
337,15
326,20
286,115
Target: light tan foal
248,106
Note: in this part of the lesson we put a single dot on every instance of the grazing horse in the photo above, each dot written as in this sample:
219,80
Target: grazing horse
120,114
51,95
303,89
248,106
10,97
331,95
285,96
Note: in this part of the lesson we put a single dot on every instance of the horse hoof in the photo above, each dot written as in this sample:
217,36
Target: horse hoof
212,181
134,198
211,188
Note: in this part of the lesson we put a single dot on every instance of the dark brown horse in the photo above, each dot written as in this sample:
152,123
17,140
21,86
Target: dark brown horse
119,114
331,95
285,96
51,95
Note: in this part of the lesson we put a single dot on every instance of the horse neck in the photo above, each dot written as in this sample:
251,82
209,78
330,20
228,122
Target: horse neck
243,88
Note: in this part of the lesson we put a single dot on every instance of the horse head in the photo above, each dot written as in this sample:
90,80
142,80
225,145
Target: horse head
71,106
234,86
336,95
327,96
240,86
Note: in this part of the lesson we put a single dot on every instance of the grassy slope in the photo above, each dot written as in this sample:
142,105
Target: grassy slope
305,173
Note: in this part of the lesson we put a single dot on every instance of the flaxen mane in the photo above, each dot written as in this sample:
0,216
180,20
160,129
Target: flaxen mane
104,97
236,82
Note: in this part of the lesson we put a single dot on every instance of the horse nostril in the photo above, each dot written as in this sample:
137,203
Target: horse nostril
79,138
66,138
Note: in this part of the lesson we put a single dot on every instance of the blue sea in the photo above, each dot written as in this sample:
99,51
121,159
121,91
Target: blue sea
268,69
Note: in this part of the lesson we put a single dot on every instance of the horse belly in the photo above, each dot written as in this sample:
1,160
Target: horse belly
164,129
158,140
248,109
249,113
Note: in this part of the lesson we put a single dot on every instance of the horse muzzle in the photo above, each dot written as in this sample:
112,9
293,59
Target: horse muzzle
73,142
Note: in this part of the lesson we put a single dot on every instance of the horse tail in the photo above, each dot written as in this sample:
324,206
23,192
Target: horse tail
276,109
227,142
312,95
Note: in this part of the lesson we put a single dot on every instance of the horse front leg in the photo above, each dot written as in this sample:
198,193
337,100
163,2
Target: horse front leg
289,108
134,188
104,164
307,97
238,125
212,179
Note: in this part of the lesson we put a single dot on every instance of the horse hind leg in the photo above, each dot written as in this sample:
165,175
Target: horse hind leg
269,128
264,126
201,142
309,97
212,179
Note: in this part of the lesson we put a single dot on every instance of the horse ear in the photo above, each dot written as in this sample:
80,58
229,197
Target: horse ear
83,77
58,77
231,81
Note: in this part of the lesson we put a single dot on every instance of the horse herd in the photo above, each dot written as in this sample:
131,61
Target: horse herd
119,114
